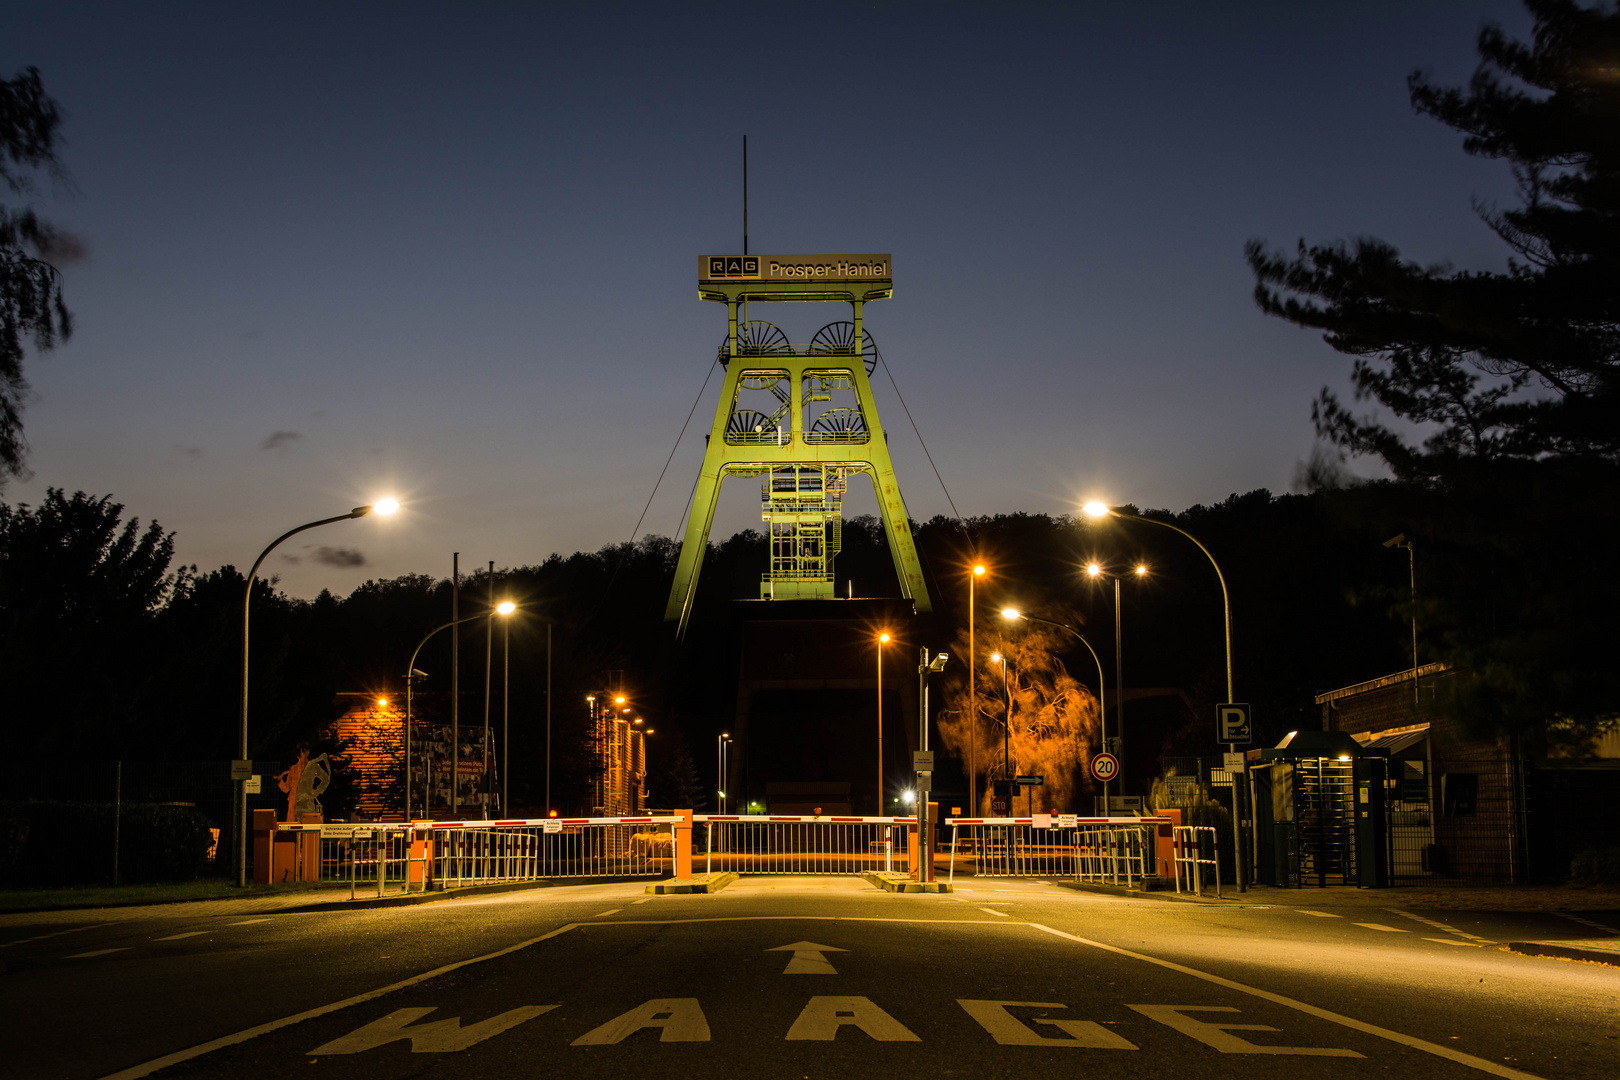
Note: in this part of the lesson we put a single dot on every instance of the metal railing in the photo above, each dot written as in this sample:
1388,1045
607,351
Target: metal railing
1113,854
1050,845
1191,842
793,844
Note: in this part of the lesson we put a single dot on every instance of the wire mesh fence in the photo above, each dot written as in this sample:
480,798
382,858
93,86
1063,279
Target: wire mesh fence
798,845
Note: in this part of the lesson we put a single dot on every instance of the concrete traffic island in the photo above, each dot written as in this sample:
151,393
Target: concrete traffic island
1595,951
697,883
903,883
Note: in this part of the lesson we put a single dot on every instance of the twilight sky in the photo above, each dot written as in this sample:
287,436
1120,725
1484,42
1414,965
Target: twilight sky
448,251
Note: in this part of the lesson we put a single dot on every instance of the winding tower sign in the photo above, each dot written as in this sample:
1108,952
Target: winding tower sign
801,419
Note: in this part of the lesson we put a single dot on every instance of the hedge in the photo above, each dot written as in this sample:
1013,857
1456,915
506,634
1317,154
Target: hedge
45,843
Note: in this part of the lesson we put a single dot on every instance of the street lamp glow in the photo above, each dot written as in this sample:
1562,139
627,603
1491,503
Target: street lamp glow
911,796
978,571
505,607
385,506
996,657
619,700
1095,510
382,703
1141,570
1093,569
1011,613
884,638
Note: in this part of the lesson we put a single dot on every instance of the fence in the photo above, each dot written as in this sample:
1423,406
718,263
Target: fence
452,854
1048,845
1106,854
747,844
1190,843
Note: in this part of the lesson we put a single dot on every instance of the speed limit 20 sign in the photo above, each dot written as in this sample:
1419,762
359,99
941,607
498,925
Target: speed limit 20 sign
1104,767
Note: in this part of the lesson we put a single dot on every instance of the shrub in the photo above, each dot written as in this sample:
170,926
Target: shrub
1596,866
67,843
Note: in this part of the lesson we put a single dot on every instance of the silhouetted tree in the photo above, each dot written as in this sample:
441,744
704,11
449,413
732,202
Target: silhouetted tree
31,304
1504,387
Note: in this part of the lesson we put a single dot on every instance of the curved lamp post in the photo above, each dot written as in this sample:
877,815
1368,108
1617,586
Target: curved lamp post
382,506
410,670
1097,510
1014,613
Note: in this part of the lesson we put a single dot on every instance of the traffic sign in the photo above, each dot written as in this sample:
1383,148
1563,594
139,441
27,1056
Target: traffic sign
1104,767
1233,724
1031,781
241,770
922,761
1232,762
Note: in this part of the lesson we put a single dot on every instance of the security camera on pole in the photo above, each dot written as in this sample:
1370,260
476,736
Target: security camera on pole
923,762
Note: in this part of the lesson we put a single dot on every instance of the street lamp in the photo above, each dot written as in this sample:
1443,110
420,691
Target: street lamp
410,671
725,737
1094,570
381,506
1014,613
973,695
926,666
1098,511
1006,726
506,607
882,640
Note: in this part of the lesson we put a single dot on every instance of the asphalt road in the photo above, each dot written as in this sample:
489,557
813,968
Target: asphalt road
803,979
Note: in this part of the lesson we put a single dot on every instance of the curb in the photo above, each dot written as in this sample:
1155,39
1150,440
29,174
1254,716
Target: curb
704,883
1565,952
1142,894
902,883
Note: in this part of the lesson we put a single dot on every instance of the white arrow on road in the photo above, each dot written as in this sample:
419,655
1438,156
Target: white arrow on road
807,958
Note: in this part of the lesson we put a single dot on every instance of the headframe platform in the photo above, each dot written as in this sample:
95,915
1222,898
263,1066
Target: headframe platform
800,417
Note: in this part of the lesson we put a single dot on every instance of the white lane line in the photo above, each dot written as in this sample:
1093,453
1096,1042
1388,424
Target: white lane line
609,911
248,922
1475,938
97,952
177,937
1449,941
53,933
993,911
1310,1010
1586,922
1385,929
1322,914
643,900
147,1068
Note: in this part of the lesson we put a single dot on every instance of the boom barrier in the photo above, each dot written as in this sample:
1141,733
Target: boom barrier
1055,845
449,854
801,844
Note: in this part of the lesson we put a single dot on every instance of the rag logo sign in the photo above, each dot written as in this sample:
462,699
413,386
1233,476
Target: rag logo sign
734,266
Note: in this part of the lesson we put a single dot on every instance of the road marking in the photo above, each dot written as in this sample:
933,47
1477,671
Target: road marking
609,911
1008,1030
993,911
807,958
1586,922
1385,929
149,1067
1322,914
823,1016
177,937
97,952
248,922
1448,941
439,1037
681,1020
1311,1010
1441,926
1217,1035
53,933
643,900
